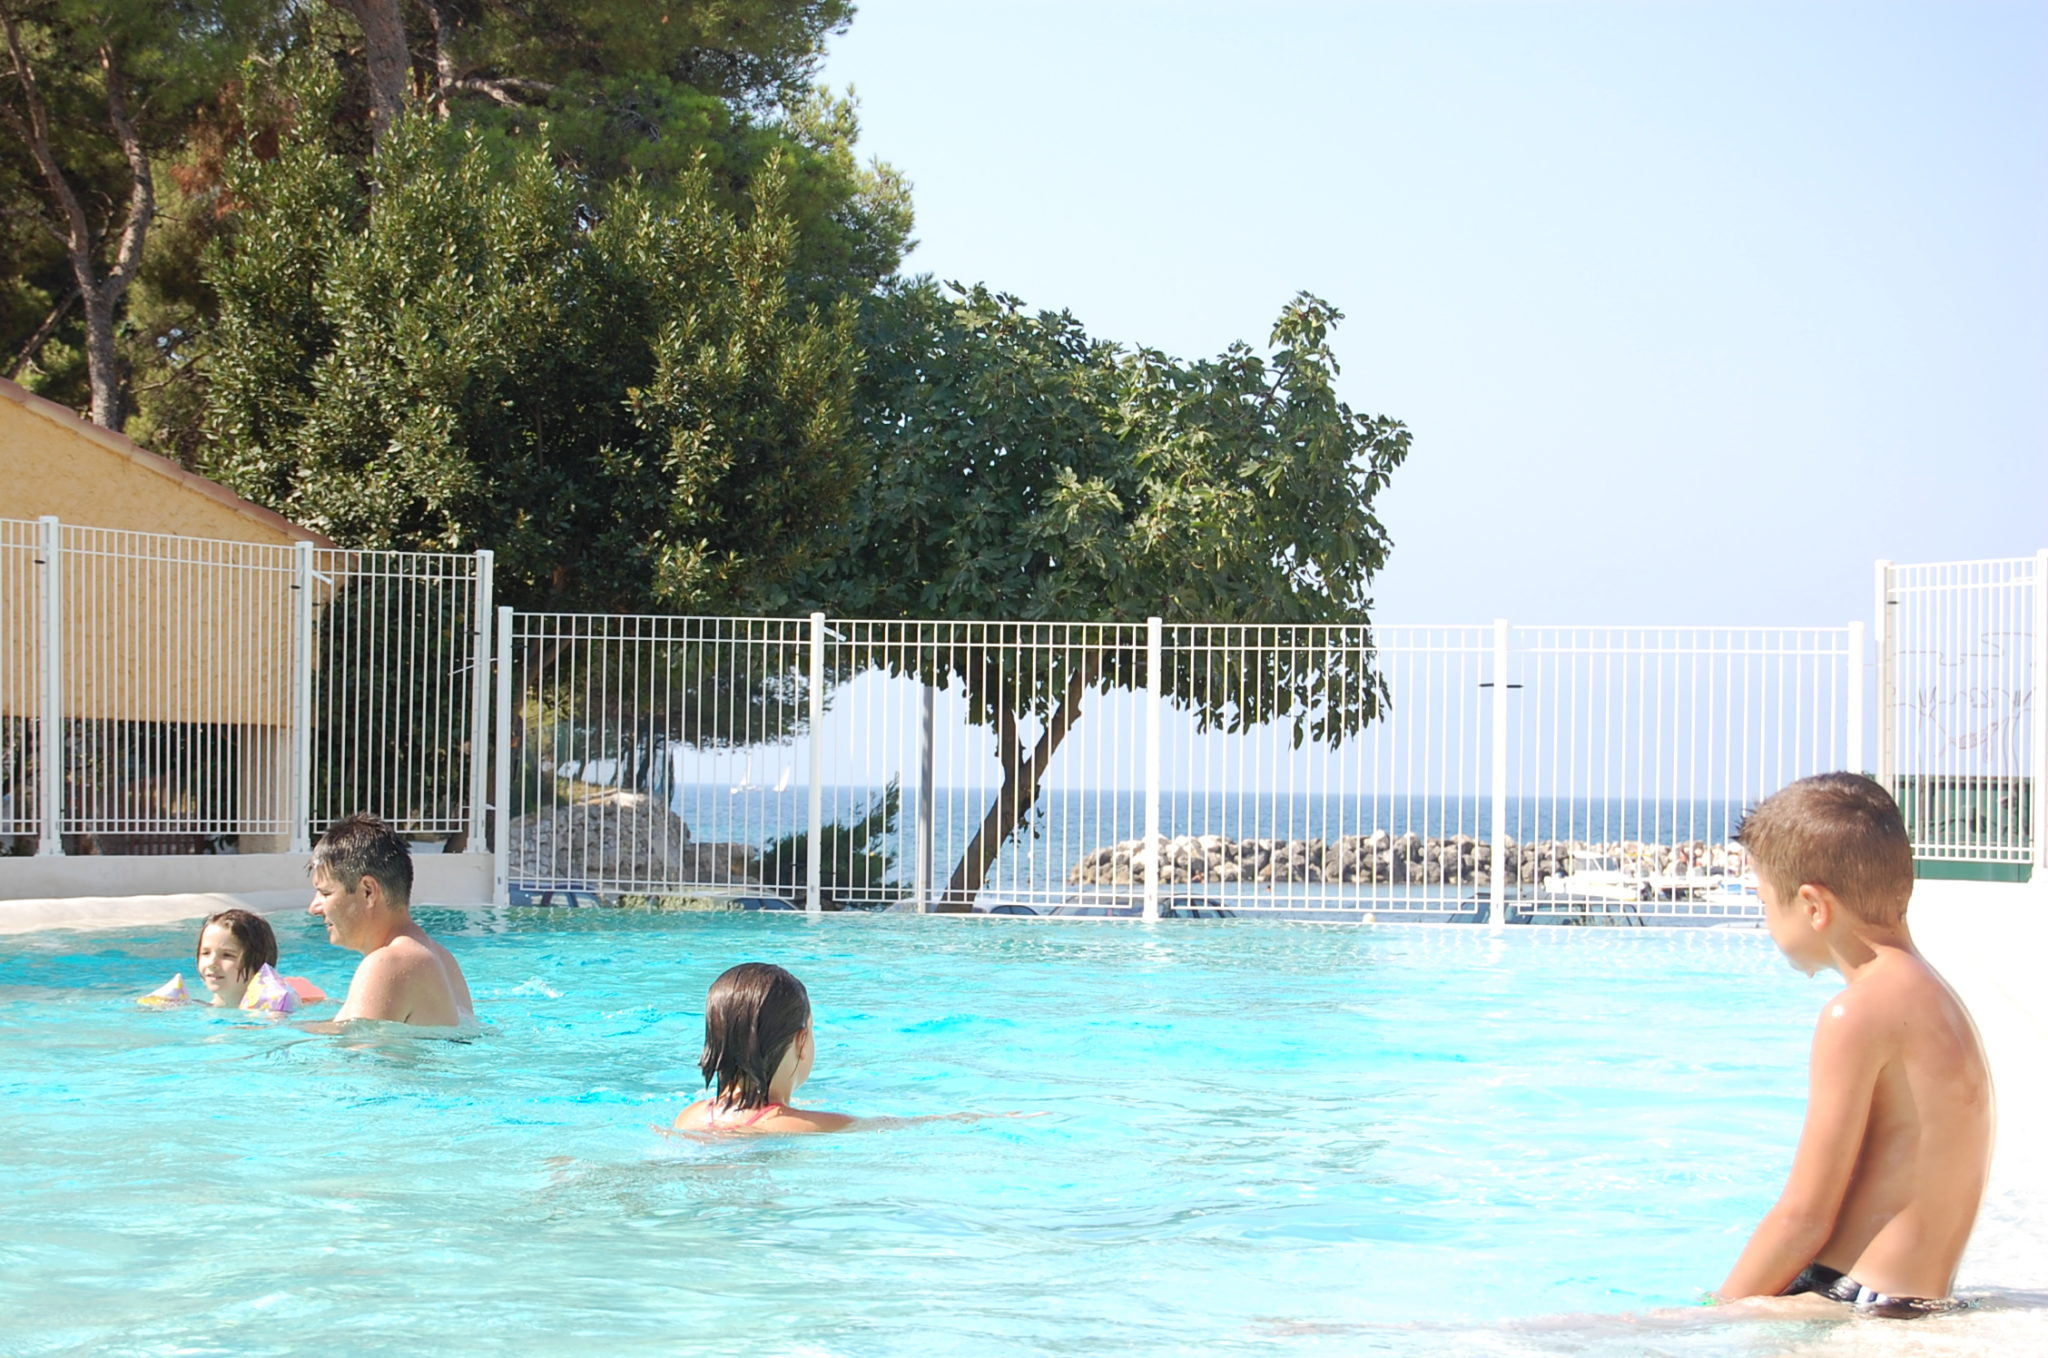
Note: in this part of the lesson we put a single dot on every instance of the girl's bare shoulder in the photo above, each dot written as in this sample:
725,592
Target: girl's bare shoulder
804,1120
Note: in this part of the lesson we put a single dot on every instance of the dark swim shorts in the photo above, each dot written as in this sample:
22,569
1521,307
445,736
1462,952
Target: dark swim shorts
1826,1282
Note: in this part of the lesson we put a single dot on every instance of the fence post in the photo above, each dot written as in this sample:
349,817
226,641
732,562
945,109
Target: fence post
50,722
814,845
2039,708
480,692
1154,650
925,828
300,807
501,793
1497,901
1887,684
1857,679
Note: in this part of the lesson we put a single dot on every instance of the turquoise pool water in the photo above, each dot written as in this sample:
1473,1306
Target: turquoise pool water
1255,1136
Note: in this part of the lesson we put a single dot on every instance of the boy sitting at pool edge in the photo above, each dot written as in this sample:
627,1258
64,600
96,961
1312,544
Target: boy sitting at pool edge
1892,1162
758,1048
362,888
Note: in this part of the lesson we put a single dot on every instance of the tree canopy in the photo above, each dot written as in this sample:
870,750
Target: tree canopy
119,117
604,287
95,94
1020,470
617,393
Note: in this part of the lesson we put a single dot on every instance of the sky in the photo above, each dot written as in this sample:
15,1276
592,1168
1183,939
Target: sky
1694,310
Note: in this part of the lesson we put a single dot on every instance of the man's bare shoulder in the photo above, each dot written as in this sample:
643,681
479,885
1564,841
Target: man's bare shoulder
403,955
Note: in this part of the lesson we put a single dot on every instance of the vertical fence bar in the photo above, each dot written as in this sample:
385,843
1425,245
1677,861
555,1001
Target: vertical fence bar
1887,684
1857,679
50,732
480,692
1497,901
1154,698
501,753
2038,773
815,843
302,696
926,804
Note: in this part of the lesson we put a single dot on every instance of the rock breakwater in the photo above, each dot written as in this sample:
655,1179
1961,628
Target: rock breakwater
1380,858
621,837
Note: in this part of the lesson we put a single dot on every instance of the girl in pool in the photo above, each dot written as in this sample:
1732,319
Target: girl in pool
236,958
758,1048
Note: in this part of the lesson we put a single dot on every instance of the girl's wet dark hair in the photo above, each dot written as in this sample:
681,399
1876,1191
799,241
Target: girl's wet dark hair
252,931
752,1015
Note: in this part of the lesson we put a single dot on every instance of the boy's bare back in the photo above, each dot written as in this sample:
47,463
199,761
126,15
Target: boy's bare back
1892,1162
1902,1098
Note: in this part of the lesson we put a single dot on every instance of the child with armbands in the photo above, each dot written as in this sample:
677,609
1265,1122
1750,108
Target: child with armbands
236,958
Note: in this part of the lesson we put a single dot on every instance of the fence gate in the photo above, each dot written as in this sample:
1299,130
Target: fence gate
1960,740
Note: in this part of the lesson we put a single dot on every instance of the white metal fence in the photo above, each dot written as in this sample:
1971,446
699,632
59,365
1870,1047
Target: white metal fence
160,693
1147,769
1962,646
171,694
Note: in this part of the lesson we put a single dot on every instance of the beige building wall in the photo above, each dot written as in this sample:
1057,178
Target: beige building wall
179,600
53,462
195,629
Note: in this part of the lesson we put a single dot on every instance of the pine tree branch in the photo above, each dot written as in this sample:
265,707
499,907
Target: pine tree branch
43,333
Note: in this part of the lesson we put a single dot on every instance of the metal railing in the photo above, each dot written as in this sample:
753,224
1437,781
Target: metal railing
160,693
171,694
1962,646
1146,769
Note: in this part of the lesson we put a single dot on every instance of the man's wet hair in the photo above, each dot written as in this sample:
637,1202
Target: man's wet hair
752,1015
252,931
360,846
1838,830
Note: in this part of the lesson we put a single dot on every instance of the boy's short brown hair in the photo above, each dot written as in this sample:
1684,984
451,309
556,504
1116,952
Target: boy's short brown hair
1837,830
360,846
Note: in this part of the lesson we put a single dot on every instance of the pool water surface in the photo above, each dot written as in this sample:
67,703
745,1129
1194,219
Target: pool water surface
1245,1136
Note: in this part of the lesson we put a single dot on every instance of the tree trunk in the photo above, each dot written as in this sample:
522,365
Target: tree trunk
444,59
1022,774
385,55
101,296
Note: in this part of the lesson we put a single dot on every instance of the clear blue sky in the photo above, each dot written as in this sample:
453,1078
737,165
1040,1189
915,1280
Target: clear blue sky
1694,309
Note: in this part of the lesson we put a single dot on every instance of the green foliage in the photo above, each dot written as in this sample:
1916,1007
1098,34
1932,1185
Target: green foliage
1021,470
855,855
619,396
392,737
621,89
677,104
68,69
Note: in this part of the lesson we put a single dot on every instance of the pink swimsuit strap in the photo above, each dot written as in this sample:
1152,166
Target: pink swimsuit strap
714,1120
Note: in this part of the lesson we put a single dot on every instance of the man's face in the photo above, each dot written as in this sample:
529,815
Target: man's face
342,907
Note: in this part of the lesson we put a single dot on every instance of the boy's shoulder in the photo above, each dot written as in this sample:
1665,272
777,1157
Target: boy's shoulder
1899,977
1895,996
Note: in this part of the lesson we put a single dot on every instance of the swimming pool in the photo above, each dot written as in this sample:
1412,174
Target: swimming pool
1254,1136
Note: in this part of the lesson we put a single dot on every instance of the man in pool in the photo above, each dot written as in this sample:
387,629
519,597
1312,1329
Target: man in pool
362,888
1891,1166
